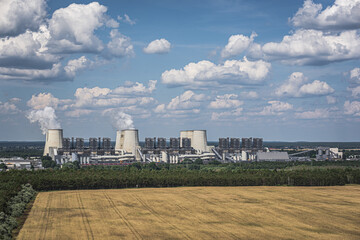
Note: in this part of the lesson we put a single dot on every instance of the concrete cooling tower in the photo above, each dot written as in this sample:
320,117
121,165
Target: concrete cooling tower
54,139
127,141
198,139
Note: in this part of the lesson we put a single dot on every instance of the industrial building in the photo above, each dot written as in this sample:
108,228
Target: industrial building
191,144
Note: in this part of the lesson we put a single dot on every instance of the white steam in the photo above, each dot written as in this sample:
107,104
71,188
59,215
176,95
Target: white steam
121,120
45,117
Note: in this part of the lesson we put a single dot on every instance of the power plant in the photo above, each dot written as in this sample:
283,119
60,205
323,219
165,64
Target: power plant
191,145
53,142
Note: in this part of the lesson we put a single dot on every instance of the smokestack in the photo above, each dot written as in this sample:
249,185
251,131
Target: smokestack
54,139
128,141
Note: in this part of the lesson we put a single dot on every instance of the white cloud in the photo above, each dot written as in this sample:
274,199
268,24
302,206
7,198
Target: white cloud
75,65
160,108
126,19
133,94
355,92
355,75
331,100
297,86
37,55
72,28
56,72
136,88
275,108
87,96
224,115
187,100
27,50
342,15
119,46
315,88
312,47
111,23
16,16
226,101
43,100
318,113
237,44
159,46
9,107
352,108
208,74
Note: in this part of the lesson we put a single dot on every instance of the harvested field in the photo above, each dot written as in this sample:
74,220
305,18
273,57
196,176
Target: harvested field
197,213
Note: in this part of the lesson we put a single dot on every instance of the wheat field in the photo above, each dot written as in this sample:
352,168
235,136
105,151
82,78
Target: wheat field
197,213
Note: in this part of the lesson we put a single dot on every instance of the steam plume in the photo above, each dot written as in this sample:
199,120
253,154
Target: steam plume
121,120
45,117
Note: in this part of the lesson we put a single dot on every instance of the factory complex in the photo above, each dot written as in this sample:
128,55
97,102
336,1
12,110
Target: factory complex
190,145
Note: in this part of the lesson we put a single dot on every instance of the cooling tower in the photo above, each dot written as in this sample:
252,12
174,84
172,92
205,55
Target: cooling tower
198,139
54,138
127,141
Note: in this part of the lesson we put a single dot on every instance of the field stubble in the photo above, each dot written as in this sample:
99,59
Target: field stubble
197,213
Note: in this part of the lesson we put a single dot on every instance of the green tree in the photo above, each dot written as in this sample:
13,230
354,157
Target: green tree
198,161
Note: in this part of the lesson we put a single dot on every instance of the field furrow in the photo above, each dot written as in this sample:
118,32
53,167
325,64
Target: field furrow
197,213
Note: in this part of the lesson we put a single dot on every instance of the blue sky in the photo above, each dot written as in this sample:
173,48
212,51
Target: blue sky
281,70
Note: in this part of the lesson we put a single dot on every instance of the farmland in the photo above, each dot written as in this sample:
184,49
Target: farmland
197,213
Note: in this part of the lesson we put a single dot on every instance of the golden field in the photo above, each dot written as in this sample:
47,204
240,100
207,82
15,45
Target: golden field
197,213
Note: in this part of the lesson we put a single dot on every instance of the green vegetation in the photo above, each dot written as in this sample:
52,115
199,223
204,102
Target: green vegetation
47,162
13,209
21,153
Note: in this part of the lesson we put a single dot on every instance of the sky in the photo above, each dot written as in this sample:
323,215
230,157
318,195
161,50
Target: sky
281,70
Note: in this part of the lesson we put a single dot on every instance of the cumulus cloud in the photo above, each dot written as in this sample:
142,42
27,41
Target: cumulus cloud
17,16
119,46
187,100
226,101
355,92
275,108
159,46
9,107
46,118
355,76
237,44
126,19
312,47
136,88
56,72
297,86
70,33
160,108
43,100
112,23
27,51
132,97
318,113
207,74
352,108
342,15
38,53
215,116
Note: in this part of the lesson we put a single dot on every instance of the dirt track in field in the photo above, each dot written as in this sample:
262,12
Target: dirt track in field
197,213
